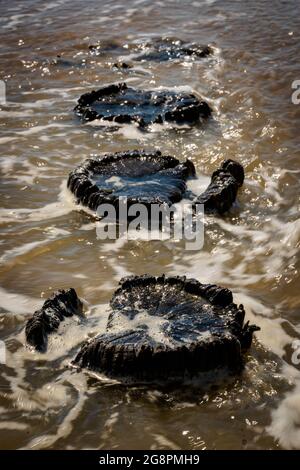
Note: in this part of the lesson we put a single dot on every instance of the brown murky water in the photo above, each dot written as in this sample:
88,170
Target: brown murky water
47,243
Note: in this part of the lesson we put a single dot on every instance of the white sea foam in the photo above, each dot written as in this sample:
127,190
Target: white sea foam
285,425
18,303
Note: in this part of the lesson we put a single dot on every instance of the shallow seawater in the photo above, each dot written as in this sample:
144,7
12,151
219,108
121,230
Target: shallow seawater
47,242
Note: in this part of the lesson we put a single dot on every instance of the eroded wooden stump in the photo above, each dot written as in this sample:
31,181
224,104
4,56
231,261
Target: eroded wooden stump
165,49
168,327
223,188
161,49
124,105
61,304
139,176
